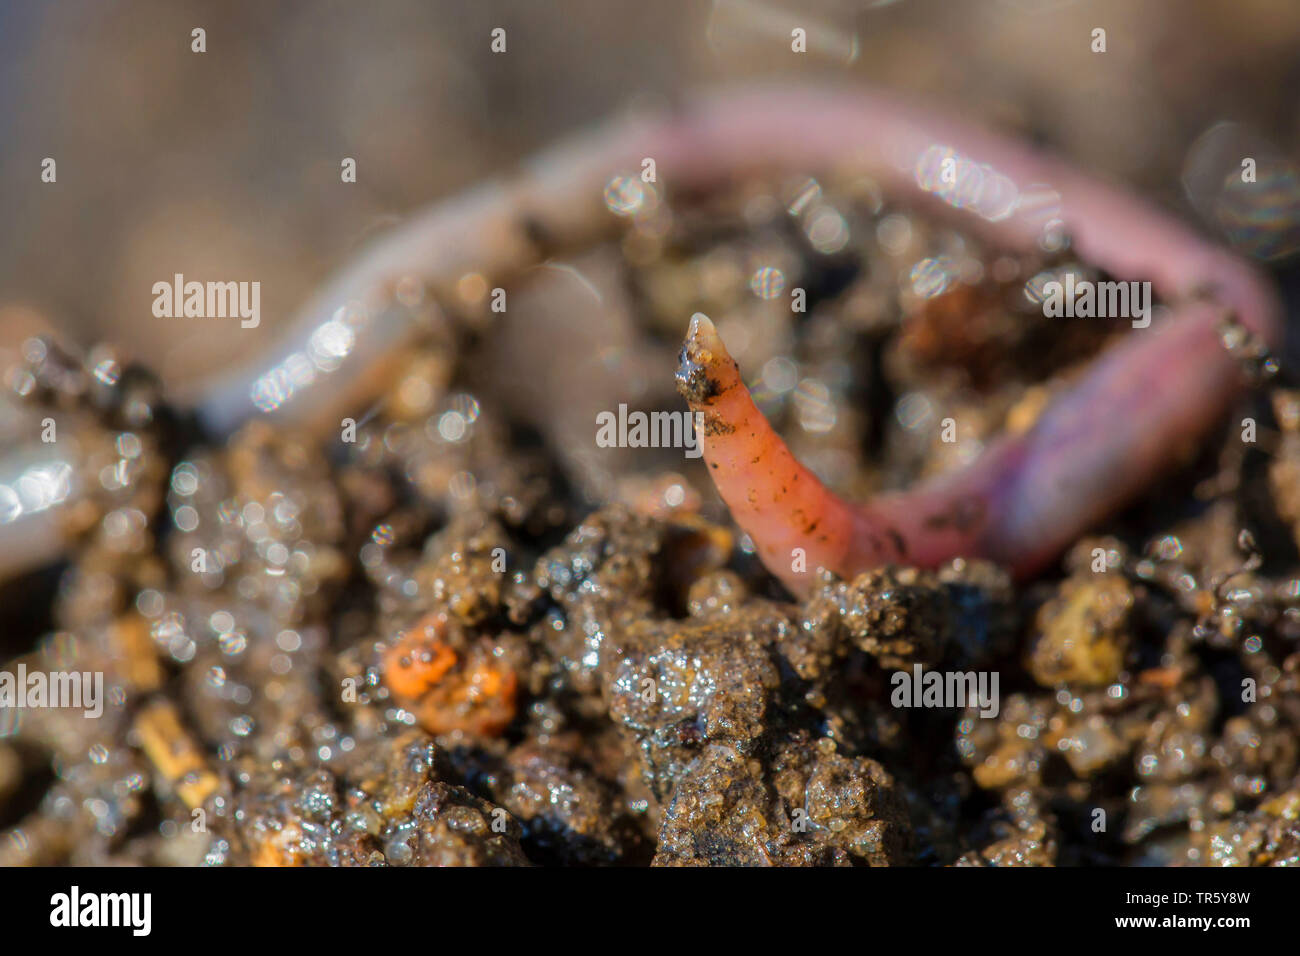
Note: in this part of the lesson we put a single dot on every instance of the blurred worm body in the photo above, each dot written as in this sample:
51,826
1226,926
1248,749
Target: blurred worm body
709,140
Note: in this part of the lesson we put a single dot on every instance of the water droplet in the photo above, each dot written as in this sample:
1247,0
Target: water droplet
930,277
767,282
625,195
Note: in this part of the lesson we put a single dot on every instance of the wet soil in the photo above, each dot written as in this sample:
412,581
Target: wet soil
474,637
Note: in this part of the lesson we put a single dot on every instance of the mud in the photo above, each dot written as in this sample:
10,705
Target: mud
473,638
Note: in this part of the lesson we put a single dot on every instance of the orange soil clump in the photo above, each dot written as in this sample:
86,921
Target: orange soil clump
447,693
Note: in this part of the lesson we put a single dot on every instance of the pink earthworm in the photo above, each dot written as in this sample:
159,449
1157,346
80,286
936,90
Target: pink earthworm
1027,496
1140,407
338,353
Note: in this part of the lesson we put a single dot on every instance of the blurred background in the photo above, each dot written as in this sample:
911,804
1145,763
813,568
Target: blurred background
226,164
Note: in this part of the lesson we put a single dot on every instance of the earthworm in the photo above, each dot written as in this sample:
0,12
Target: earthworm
1141,405
338,353
1027,496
